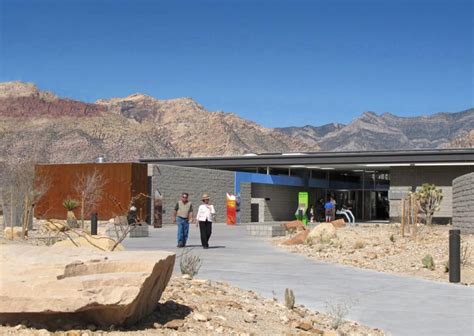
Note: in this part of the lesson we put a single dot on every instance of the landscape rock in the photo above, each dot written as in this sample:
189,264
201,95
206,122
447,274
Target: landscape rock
300,238
322,233
304,325
80,286
174,324
338,223
17,232
200,317
294,225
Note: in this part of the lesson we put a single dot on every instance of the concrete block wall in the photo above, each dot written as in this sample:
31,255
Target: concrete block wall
171,181
463,203
245,198
406,179
266,230
281,203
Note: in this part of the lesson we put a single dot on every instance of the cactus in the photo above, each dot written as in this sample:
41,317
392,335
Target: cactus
429,200
289,299
428,262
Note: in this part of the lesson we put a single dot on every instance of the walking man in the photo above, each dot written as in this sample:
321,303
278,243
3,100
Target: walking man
182,214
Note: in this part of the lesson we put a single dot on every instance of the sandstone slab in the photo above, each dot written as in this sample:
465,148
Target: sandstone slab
294,225
299,238
57,286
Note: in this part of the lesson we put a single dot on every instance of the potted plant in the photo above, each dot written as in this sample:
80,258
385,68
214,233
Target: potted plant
70,205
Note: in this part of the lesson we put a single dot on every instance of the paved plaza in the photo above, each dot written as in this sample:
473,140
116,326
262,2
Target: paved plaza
398,305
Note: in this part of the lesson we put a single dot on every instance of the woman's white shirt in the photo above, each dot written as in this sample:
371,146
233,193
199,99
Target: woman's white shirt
205,212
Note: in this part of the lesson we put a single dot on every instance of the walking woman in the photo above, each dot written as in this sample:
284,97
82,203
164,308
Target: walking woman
204,217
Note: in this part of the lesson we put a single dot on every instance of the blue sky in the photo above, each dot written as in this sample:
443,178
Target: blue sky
279,63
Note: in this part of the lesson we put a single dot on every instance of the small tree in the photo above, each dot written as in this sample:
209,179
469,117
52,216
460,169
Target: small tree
90,189
429,200
122,228
20,190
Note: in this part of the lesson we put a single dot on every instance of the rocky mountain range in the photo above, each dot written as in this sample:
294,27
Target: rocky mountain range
371,131
40,126
43,127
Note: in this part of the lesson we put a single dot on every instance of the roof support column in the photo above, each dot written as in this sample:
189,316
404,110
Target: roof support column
268,170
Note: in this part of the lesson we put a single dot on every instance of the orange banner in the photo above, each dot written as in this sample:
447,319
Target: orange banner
231,210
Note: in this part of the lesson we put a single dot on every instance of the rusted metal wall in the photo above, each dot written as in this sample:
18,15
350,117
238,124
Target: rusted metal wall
124,181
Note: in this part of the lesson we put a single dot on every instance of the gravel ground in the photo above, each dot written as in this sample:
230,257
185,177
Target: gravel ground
202,307
380,247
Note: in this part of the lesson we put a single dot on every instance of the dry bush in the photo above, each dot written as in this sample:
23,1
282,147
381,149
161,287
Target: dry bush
189,264
359,244
90,189
122,229
338,311
20,191
466,252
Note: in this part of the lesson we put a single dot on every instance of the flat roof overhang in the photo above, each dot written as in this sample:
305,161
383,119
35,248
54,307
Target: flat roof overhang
342,160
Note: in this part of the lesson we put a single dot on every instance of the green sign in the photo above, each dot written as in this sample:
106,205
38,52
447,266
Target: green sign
303,202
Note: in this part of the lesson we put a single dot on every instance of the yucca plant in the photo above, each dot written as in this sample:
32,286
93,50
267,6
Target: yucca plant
70,204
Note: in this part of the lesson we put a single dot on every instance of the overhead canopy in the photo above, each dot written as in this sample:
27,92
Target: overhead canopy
329,160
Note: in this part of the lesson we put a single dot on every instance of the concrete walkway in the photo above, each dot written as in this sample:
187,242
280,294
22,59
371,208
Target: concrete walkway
395,304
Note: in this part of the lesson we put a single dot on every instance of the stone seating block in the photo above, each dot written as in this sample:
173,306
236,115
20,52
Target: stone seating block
139,231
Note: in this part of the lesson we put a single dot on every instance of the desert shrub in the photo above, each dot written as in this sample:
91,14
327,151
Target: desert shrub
428,262
190,264
289,299
359,244
337,312
465,253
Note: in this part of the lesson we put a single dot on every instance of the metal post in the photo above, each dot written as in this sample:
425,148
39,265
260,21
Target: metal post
94,224
454,255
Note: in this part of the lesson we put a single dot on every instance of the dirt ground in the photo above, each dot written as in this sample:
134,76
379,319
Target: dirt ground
202,307
380,247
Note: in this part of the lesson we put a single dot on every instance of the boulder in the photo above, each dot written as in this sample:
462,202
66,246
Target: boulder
80,286
322,233
294,225
338,223
16,233
300,238
54,225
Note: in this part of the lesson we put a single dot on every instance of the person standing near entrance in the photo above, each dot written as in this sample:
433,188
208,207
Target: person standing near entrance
328,209
333,201
204,217
182,214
